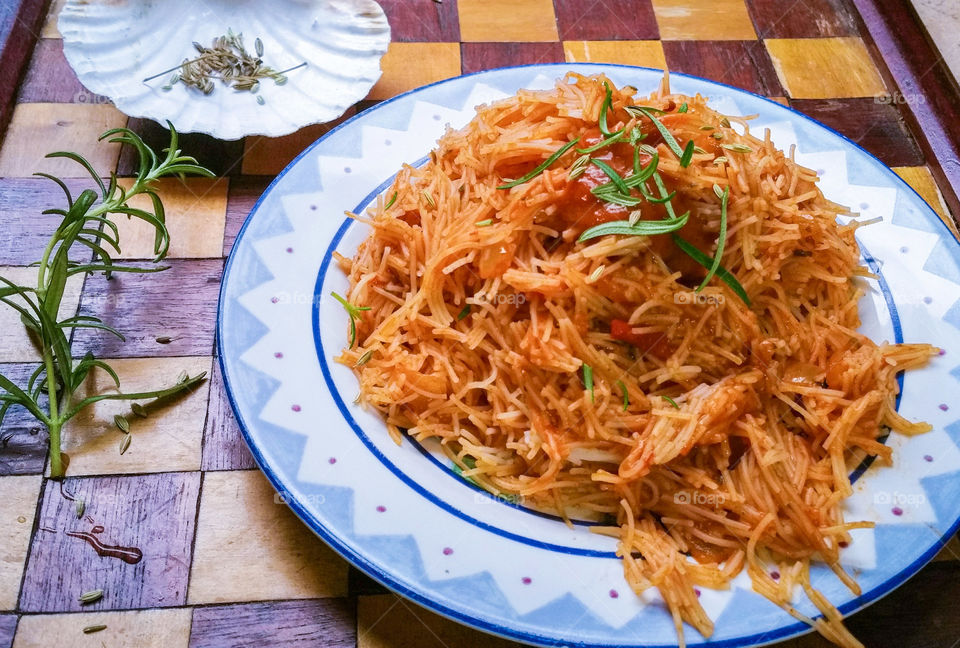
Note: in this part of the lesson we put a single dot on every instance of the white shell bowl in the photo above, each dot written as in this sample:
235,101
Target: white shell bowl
113,45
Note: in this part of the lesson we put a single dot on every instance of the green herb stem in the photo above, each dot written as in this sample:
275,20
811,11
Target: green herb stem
85,222
541,167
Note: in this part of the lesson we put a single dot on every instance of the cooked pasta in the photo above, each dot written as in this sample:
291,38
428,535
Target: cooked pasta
645,315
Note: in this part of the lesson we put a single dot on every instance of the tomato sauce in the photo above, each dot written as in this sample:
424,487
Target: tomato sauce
579,210
656,344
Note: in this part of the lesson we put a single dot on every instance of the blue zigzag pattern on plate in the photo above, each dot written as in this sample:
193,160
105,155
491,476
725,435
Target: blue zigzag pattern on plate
283,453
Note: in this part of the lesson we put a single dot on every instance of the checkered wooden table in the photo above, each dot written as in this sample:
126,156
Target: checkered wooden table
224,563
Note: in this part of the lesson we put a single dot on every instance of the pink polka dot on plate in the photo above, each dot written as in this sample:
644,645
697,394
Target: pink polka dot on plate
274,300
927,458
295,408
775,575
278,354
526,580
447,551
614,594
332,460
943,407
290,250
381,509
896,510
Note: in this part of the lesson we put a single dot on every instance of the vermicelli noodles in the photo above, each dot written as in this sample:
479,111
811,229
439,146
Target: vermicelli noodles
714,431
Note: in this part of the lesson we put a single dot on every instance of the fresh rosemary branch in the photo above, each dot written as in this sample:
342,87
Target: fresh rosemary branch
86,224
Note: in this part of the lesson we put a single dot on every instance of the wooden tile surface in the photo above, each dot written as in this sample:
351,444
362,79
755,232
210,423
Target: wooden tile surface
15,344
874,124
269,155
435,61
168,439
39,128
388,621
245,524
703,20
173,316
17,507
50,78
507,20
135,629
744,64
645,53
23,440
152,515
825,68
196,211
486,56
317,623
223,445
806,19
21,201
224,564
8,626
605,20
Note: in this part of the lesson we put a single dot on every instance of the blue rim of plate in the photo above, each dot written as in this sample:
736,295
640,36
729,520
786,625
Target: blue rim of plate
362,563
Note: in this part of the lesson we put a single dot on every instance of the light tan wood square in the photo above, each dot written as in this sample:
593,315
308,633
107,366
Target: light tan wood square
644,53
196,211
18,504
507,21
825,68
169,439
251,547
410,65
703,20
40,128
168,628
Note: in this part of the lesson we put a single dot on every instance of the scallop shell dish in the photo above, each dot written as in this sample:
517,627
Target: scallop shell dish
253,67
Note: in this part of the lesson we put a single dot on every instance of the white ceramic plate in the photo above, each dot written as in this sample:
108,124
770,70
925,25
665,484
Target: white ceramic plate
403,517
114,46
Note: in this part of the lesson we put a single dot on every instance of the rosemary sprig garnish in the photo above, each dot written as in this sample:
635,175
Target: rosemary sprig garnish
613,139
707,262
723,195
613,175
640,228
542,166
470,463
604,109
86,222
668,137
354,312
588,379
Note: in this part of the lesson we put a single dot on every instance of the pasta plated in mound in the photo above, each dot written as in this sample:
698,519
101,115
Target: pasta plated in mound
633,310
